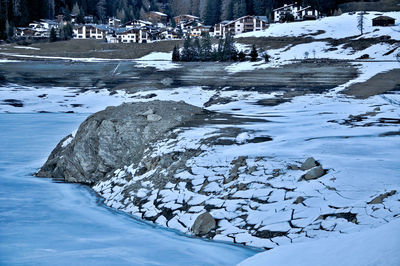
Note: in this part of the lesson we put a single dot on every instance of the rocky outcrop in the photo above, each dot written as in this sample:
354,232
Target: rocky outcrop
113,138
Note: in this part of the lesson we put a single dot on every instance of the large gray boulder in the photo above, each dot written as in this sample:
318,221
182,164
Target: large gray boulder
113,138
308,164
203,224
314,173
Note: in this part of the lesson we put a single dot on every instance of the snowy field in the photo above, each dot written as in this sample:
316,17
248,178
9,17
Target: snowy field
343,26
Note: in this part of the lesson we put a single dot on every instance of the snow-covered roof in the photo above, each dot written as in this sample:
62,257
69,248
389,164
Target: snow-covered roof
159,13
304,8
383,18
285,6
190,16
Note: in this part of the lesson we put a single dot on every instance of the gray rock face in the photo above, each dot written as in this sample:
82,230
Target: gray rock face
203,224
112,138
314,173
308,164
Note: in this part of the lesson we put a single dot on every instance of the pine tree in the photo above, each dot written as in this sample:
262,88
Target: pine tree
239,9
53,35
76,9
253,54
175,54
229,48
241,56
206,48
187,52
212,13
196,50
361,22
102,10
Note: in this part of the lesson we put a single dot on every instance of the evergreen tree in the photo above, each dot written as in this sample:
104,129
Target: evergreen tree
196,50
187,52
229,48
67,14
175,54
206,48
212,13
361,22
241,56
9,30
101,10
66,32
53,35
239,8
253,54
80,18
76,9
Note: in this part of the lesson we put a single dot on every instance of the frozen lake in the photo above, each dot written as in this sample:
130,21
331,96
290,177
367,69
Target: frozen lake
48,223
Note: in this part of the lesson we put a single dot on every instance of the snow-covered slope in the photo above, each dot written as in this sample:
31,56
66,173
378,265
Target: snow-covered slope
378,246
342,26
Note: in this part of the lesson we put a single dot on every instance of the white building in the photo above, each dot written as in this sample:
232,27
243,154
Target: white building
197,31
296,11
137,23
133,35
114,22
90,31
245,24
219,29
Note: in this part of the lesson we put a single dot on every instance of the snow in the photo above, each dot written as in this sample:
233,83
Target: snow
379,246
342,26
27,48
76,59
160,61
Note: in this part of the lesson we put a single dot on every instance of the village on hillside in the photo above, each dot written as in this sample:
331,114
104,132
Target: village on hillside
158,26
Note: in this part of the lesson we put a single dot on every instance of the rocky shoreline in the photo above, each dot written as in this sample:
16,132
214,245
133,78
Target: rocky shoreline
154,160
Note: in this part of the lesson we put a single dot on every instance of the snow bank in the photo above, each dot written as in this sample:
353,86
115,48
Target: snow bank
160,61
379,246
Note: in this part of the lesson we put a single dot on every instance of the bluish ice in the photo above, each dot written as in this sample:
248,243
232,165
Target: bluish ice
43,222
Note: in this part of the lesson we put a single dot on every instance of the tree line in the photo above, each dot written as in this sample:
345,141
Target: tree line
202,49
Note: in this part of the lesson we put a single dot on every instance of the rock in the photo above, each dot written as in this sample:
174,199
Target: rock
308,164
154,118
314,173
233,173
203,224
299,200
293,167
364,56
379,199
113,138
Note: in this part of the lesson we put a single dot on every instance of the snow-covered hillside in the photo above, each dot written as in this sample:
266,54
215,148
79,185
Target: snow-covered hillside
378,246
338,27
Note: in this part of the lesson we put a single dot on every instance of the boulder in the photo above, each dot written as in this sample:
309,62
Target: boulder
114,138
308,164
203,224
314,173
